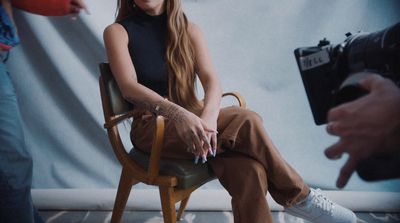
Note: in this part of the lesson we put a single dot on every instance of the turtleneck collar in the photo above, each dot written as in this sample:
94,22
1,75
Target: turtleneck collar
142,14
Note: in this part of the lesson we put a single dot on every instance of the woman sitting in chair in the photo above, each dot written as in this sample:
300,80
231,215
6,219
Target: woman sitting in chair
155,54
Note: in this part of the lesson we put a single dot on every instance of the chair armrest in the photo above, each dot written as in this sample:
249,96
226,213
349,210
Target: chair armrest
154,164
155,155
115,120
238,96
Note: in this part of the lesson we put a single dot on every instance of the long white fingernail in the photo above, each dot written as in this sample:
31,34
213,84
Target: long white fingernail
204,159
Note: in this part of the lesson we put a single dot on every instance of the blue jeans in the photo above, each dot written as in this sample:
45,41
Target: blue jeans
15,161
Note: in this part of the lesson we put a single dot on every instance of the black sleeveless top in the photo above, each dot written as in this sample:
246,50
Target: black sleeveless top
147,47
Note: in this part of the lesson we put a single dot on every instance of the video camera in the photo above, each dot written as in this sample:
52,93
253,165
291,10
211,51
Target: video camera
331,73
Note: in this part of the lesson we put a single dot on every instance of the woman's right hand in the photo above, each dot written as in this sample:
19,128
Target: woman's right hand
193,131
190,128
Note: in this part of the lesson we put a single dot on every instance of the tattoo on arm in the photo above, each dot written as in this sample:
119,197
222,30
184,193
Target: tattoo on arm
164,108
144,104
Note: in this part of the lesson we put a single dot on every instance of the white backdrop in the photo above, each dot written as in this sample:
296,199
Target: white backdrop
56,76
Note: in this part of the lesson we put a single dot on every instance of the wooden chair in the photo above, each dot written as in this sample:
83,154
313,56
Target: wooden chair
176,178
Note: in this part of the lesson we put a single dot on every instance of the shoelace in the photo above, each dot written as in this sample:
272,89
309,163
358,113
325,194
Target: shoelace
320,201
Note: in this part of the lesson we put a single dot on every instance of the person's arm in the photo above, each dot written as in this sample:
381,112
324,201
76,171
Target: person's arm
367,126
50,7
188,125
209,80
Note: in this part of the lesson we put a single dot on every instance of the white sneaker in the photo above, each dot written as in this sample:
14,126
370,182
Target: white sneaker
319,209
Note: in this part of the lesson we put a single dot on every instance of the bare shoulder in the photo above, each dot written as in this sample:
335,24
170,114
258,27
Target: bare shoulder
115,30
194,31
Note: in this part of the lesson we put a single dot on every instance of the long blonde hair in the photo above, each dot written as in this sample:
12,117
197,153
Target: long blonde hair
180,54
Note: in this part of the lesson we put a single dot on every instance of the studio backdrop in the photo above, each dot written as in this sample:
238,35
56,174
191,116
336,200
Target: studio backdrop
55,71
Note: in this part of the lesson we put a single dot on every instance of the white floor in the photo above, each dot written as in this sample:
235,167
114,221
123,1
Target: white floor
190,217
200,200
86,206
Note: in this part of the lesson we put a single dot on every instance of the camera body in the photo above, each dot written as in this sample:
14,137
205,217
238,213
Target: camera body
330,73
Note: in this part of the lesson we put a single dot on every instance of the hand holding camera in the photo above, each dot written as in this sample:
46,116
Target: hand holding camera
331,73
354,86
366,127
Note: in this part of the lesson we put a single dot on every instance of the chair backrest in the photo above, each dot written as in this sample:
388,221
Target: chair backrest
115,109
113,102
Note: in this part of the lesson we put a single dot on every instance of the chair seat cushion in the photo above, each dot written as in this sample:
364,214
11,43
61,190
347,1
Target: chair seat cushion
187,173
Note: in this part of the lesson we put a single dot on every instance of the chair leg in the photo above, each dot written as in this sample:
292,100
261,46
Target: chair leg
168,204
124,188
182,208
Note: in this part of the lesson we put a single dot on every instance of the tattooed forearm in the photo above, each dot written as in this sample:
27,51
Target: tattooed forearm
170,110
164,108
144,104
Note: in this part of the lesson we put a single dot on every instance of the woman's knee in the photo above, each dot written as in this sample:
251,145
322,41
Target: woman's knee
249,115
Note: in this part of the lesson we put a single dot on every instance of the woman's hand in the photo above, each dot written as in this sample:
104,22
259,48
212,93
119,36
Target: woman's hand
190,128
194,131
211,123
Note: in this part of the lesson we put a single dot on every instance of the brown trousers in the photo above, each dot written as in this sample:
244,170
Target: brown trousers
247,163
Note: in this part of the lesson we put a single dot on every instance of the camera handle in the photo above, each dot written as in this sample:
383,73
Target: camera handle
350,89
354,79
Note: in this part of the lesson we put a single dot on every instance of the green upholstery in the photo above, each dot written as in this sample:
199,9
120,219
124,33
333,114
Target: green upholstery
118,104
188,173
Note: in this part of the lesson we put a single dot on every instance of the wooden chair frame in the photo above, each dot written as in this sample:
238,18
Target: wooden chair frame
133,173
